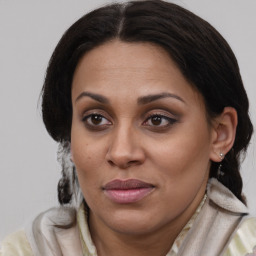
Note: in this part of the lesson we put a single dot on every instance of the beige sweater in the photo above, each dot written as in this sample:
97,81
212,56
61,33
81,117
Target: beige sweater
219,229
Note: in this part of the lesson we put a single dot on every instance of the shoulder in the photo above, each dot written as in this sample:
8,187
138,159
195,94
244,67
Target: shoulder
57,225
16,244
243,240
55,231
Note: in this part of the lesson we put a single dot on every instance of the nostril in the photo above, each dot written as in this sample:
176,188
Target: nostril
123,165
111,162
124,152
133,163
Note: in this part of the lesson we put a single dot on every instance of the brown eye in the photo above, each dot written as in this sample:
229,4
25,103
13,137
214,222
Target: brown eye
159,121
96,119
156,120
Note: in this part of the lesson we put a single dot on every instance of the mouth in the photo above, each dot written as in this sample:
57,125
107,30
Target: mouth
127,191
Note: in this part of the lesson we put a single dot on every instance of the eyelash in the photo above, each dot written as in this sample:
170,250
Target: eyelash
98,127
88,122
170,121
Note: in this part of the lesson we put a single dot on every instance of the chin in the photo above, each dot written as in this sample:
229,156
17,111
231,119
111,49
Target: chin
131,222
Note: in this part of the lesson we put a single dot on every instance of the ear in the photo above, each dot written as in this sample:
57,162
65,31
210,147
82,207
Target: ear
224,133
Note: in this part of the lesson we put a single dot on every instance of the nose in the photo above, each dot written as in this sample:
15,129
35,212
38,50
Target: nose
125,148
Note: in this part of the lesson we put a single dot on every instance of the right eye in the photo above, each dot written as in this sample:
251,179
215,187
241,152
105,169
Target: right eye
96,121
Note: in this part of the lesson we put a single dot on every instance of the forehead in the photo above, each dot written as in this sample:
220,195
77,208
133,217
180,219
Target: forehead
128,56
123,68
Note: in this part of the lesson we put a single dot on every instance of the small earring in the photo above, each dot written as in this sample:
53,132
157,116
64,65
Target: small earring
219,172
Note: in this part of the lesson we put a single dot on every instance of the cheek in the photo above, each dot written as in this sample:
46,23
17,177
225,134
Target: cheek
89,158
183,152
86,160
86,156
84,148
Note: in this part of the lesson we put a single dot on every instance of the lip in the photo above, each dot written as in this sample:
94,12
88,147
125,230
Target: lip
127,191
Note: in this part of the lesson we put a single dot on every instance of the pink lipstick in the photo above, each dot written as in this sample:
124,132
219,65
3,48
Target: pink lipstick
127,191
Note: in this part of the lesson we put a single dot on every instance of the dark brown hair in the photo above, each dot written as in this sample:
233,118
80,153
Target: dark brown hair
201,53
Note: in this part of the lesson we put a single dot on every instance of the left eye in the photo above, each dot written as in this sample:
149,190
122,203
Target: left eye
96,120
159,120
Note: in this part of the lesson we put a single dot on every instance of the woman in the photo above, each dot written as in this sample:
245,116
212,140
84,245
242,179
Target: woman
147,103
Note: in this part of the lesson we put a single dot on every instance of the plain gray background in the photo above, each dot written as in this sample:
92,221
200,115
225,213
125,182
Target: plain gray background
29,31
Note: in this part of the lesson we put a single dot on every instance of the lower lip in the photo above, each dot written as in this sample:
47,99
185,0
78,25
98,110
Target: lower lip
127,196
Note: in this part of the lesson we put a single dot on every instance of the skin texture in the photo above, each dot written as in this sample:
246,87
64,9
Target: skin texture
119,139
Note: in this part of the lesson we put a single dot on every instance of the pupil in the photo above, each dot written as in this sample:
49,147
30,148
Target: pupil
96,119
156,120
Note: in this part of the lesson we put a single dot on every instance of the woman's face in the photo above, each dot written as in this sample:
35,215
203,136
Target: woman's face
140,140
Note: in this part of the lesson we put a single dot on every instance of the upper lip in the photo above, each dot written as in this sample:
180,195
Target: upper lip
126,184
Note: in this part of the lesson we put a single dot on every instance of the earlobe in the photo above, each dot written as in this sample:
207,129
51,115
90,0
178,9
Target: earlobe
225,132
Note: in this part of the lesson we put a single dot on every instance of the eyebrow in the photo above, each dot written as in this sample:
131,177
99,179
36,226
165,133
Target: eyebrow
141,100
94,96
149,98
